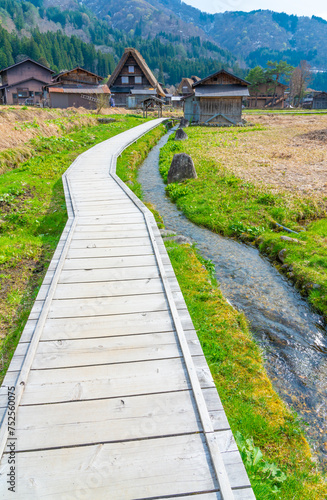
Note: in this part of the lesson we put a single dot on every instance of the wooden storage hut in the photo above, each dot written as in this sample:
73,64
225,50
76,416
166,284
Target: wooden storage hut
133,74
73,97
262,96
23,82
75,88
319,100
216,99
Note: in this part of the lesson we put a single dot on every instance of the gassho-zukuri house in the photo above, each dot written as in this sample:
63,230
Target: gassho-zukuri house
216,100
132,80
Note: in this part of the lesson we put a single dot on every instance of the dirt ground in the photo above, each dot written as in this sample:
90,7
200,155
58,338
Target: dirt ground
291,154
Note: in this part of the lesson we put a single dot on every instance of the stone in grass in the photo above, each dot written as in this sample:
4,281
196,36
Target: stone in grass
106,120
181,168
184,123
169,125
180,239
180,135
282,255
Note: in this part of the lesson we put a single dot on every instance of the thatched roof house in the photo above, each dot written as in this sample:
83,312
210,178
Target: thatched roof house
185,87
217,99
132,76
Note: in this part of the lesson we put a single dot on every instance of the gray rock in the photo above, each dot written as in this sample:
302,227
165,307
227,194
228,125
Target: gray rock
106,120
165,232
180,135
181,240
181,168
184,123
287,238
169,125
282,255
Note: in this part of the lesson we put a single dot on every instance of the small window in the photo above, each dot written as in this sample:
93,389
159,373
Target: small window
138,79
124,79
131,69
22,92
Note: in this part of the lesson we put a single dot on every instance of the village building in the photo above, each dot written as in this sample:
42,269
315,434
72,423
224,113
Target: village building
216,99
132,80
185,87
23,82
262,96
319,100
75,88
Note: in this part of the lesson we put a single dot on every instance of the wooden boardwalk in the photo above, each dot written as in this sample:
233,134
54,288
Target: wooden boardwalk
114,399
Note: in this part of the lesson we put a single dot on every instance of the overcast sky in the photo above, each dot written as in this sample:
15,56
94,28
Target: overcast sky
299,7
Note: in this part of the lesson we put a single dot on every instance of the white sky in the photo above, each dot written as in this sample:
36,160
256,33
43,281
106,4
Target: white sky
299,7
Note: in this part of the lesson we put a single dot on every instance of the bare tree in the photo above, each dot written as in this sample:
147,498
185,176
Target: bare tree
300,79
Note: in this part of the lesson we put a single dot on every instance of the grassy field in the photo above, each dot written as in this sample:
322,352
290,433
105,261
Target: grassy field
250,178
32,217
273,447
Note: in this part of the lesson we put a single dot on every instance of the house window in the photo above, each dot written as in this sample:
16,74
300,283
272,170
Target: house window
138,79
22,92
131,69
124,79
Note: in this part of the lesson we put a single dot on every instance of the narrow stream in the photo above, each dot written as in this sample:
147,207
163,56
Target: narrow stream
292,336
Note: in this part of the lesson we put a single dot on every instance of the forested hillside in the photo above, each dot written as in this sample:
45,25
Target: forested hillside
175,39
96,45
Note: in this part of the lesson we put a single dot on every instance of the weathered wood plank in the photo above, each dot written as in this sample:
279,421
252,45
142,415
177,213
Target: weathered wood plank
106,420
105,326
107,262
157,468
105,381
66,353
69,308
108,288
91,251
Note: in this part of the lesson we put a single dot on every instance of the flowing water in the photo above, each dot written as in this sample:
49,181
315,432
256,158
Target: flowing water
292,336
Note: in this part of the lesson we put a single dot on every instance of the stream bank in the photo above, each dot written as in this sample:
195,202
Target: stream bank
291,334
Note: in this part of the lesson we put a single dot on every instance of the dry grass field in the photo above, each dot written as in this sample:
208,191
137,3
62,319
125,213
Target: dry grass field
290,154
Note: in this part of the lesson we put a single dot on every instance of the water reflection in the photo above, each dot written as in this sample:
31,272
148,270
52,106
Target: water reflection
293,337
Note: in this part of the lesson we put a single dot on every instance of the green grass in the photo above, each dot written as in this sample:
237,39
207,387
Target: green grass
32,217
272,444
228,205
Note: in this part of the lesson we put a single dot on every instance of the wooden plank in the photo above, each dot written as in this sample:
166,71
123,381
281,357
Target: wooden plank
109,242
70,308
104,326
156,468
91,251
103,232
105,381
108,289
66,353
108,262
106,420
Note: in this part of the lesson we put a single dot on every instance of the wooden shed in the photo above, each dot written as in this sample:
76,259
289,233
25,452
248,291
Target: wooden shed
319,101
133,74
262,96
86,97
216,99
